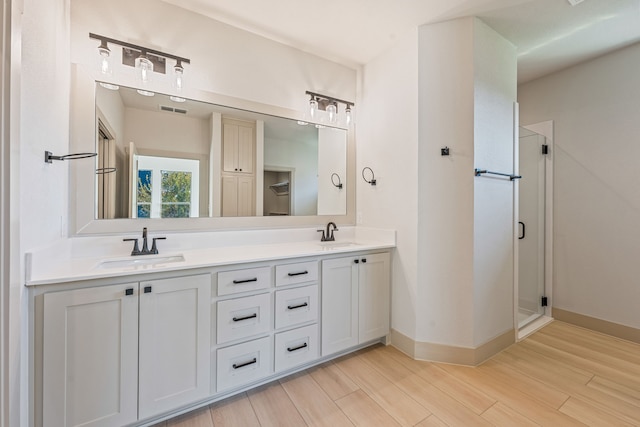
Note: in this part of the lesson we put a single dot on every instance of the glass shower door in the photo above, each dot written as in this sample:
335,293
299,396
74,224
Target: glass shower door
531,243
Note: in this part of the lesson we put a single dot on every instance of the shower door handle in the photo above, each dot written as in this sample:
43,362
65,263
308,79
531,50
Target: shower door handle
523,230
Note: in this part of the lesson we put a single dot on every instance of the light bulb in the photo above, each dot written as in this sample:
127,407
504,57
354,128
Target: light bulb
105,58
145,68
347,113
313,107
178,81
332,111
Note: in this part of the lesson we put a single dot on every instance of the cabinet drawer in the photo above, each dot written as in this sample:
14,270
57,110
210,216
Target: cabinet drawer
243,317
250,279
300,272
296,347
244,363
295,306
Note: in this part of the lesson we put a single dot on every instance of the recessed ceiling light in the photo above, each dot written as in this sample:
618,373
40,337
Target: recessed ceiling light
109,86
145,92
574,2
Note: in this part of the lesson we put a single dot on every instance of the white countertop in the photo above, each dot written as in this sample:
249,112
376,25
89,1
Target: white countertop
78,259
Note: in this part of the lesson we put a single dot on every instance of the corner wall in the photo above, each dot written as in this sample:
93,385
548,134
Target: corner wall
448,84
594,107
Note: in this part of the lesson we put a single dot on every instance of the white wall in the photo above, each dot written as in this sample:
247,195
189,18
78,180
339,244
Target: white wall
387,142
594,107
445,252
40,210
302,156
332,155
495,85
224,59
449,84
166,132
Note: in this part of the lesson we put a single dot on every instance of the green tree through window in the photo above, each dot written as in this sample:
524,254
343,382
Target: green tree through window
176,194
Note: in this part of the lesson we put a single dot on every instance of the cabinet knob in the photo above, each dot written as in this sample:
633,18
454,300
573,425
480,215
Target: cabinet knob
356,261
364,260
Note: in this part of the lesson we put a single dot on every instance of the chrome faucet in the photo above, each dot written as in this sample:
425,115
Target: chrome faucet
145,247
328,236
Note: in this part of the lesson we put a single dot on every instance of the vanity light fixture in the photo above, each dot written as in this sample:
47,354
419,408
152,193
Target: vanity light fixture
146,61
330,106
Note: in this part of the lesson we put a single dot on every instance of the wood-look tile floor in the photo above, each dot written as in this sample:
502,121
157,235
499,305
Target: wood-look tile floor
560,376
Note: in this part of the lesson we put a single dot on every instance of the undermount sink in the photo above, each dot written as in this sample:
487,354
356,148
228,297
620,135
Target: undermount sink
327,246
140,260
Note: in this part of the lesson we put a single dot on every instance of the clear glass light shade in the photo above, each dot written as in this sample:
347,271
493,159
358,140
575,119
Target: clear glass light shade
105,60
348,116
145,92
144,67
313,108
178,77
177,99
332,113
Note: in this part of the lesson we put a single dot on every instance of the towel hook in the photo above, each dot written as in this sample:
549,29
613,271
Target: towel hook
339,184
49,157
371,181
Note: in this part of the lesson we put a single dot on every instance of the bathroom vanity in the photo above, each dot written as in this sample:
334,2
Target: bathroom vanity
134,340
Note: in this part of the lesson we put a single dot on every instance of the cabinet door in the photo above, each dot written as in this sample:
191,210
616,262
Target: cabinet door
245,149
245,196
339,304
175,318
230,135
373,297
90,356
229,196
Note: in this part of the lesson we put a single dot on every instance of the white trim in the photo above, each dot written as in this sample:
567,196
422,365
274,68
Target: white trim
516,212
5,259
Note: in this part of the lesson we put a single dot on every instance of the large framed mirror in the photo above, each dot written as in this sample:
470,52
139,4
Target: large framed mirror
209,163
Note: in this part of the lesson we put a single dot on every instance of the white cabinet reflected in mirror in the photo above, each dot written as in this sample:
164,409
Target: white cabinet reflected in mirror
159,158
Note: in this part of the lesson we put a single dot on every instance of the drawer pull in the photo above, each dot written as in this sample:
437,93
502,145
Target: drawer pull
251,316
298,274
128,291
235,282
242,365
293,307
147,289
300,347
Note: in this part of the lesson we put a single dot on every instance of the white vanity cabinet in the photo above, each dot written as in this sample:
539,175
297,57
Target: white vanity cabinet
133,353
355,301
115,354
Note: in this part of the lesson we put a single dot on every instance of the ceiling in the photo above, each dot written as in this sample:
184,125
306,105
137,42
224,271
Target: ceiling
549,34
